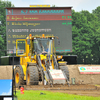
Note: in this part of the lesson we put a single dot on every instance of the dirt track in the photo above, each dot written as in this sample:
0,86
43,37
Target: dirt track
79,89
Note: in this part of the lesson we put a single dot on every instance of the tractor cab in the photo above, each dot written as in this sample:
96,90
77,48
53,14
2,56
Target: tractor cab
42,45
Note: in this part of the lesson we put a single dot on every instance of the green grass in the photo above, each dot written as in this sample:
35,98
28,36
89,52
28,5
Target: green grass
35,95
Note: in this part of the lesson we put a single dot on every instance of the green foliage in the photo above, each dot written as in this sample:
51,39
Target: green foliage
3,5
96,12
86,36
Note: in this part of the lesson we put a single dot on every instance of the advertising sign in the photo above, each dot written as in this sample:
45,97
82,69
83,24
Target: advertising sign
57,74
6,83
21,22
89,70
6,87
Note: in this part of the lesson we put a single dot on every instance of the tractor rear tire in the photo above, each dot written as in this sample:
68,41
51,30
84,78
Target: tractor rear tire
19,77
32,75
65,70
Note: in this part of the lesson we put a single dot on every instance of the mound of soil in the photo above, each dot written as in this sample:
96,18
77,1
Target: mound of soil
83,78
6,72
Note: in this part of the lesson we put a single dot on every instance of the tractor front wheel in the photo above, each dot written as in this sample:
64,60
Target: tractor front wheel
19,77
32,75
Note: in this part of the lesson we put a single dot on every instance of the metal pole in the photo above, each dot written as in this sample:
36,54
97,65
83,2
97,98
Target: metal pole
13,73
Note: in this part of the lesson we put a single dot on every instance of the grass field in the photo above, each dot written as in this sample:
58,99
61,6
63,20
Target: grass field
47,95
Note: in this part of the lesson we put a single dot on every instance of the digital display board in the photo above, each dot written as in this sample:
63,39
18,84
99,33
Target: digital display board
21,22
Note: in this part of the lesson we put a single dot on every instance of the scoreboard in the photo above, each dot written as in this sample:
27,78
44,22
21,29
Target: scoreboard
20,22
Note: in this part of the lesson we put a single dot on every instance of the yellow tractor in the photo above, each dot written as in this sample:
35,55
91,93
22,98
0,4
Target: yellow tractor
38,62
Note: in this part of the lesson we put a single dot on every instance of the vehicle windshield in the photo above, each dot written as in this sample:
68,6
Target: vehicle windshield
42,45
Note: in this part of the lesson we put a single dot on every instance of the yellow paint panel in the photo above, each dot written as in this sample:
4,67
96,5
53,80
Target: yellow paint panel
24,70
39,5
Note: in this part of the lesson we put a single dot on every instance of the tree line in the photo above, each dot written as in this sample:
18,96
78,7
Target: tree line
85,34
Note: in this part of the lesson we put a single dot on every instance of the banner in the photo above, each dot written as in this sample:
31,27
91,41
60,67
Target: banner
89,70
